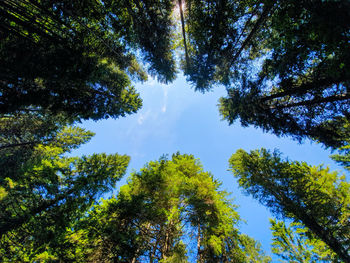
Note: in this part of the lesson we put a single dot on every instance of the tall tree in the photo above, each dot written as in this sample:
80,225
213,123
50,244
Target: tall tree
302,84
20,133
210,27
46,192
295,243
314,196
285,64
79,56
170,211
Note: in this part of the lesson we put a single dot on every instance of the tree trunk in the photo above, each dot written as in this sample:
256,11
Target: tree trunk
308,220
13,145
183,32
199,241
305,87
333,98
258,24
290,206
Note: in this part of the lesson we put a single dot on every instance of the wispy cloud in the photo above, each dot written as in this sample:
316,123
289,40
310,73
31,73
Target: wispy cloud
151,82
143,117
165,98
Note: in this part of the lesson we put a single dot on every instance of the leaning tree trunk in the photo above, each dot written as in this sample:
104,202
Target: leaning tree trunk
199,243
183,32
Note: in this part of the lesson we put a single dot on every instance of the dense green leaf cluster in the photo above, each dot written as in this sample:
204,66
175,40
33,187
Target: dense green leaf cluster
295,77
76,58
43,192
164,211
295,243
343,155
285,65
314,196
170,211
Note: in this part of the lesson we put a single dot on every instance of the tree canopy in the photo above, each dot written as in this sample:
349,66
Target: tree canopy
43,192
76,58
295,243
170,211
343,155
301,86
285,64
310,195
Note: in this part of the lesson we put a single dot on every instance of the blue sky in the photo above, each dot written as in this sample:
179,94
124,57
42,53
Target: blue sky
175,118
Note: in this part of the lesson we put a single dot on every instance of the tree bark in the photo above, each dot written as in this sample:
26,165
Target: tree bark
333,98
12,145
312,224
199,241
257,25
183,32
303,88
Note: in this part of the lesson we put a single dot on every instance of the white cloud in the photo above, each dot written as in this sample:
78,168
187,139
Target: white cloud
165,98
151,81
143,117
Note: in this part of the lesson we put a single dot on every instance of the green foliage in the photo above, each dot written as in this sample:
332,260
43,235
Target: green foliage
164,211
343,156
284,63
295,243
301,87
252,250
147,26
343,159
47,192
211,36
79,56
318,198
20,133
